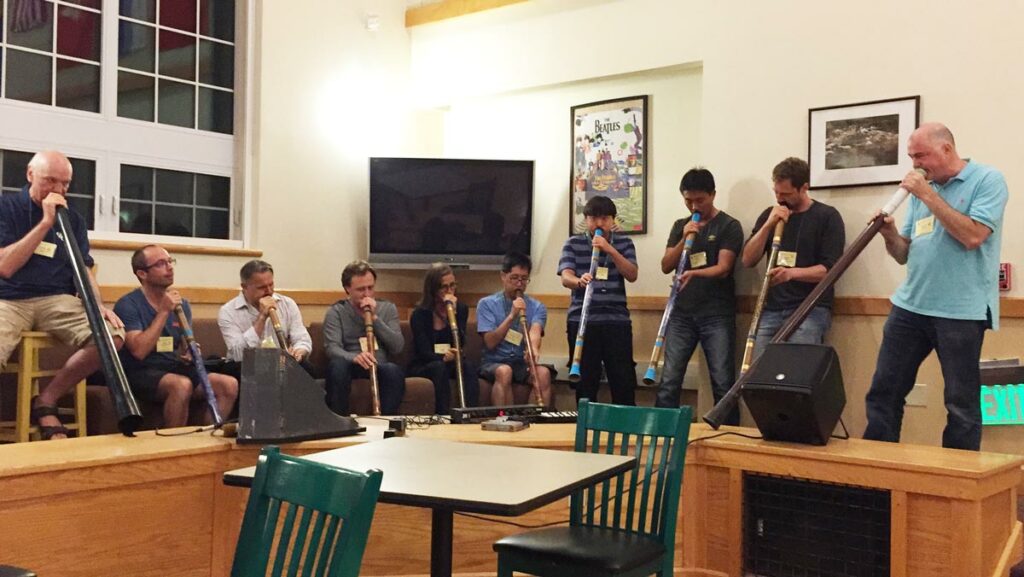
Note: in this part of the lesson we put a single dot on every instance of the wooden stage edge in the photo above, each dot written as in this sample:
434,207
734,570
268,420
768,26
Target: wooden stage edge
156,506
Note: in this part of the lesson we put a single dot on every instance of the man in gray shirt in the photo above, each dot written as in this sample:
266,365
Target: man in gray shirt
347,347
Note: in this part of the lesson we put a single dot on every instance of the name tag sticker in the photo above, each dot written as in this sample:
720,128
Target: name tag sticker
924,226
165,345
786,258
514,337
47,249
441,348
602,273
698,260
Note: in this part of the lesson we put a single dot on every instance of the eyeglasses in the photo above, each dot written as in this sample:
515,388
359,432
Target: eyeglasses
162,263
519,278
449,287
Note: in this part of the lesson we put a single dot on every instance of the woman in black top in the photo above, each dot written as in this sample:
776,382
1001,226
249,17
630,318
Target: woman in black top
433,355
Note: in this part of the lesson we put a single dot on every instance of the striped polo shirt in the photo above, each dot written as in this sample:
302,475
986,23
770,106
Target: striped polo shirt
608,302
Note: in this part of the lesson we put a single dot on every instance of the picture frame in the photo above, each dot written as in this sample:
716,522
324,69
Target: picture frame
609,157
861,144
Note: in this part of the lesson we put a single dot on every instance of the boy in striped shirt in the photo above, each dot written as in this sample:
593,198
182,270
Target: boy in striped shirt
609,331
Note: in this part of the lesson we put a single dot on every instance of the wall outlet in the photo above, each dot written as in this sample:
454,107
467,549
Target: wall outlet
918,396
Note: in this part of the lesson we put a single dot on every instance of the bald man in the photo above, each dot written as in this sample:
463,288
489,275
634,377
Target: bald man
950,243
37,289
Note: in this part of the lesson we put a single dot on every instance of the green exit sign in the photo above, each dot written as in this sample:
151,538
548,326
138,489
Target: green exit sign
1002,404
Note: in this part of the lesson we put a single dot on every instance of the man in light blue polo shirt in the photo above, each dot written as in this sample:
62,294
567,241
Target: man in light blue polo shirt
498,321
950,243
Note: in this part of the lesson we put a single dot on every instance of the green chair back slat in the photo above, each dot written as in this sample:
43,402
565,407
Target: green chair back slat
645,499
284,541
326,521
299,549
316,543
270,514
327,550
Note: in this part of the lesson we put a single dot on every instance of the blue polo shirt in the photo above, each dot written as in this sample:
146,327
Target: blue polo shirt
492,310
41,275
944,279
137,314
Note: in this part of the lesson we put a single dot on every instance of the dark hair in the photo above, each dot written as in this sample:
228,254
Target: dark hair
432,282
599,206
139,257
793,169
255,266
354,269
698,179
514,259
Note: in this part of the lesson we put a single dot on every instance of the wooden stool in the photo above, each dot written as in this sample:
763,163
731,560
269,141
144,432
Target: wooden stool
29,373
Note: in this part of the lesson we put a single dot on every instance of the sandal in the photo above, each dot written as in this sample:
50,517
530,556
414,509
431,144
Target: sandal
46,432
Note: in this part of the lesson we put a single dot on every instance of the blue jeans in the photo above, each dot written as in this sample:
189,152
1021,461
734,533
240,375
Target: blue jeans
340,372
908,338
812,331
717,336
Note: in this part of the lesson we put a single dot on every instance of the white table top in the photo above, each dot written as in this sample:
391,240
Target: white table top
467,477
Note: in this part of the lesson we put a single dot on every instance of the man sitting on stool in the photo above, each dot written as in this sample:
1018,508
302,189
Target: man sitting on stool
37,288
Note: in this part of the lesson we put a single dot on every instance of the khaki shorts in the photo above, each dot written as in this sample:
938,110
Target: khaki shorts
63,316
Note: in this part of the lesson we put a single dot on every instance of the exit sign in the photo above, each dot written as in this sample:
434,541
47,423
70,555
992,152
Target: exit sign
1002,404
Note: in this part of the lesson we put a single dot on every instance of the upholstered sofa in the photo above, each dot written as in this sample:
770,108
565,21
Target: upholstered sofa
419,392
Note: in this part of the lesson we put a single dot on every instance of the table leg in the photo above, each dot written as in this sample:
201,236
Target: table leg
441,542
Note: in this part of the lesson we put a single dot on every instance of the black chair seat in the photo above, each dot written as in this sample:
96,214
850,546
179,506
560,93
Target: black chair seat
600,549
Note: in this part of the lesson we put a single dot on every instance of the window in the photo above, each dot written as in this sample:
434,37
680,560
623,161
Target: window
176,62
81,194
141,94
52,52
174,203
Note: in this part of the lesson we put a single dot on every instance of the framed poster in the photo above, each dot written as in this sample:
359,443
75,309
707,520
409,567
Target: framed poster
861,144
609,158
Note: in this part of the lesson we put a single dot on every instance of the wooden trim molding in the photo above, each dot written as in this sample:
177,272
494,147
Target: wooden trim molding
437,11
1010,307
176,248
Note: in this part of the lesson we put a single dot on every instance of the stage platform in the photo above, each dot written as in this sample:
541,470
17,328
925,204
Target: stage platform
154,505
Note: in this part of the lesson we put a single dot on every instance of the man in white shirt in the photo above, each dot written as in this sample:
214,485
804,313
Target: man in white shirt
245,320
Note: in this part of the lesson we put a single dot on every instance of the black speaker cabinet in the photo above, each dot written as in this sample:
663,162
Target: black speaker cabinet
795,393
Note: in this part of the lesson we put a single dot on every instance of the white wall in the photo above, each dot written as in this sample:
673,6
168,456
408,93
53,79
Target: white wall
762,66
330,95
534,125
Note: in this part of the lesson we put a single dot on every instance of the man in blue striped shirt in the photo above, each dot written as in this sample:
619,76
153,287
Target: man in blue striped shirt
609,331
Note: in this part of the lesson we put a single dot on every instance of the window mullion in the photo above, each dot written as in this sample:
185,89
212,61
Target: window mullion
107,179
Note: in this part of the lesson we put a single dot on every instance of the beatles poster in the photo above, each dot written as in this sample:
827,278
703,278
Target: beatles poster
609,158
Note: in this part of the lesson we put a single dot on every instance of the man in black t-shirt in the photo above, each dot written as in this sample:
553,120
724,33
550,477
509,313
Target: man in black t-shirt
812,242
705,306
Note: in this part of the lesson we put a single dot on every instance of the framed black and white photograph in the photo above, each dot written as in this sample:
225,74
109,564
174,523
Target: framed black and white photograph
861,144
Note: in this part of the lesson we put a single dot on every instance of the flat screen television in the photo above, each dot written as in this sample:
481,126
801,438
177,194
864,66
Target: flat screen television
466,213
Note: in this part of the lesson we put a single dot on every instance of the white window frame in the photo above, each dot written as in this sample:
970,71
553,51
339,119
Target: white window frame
111,141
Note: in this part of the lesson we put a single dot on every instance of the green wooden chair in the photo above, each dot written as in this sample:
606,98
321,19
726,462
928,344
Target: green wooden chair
625,526
326,518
